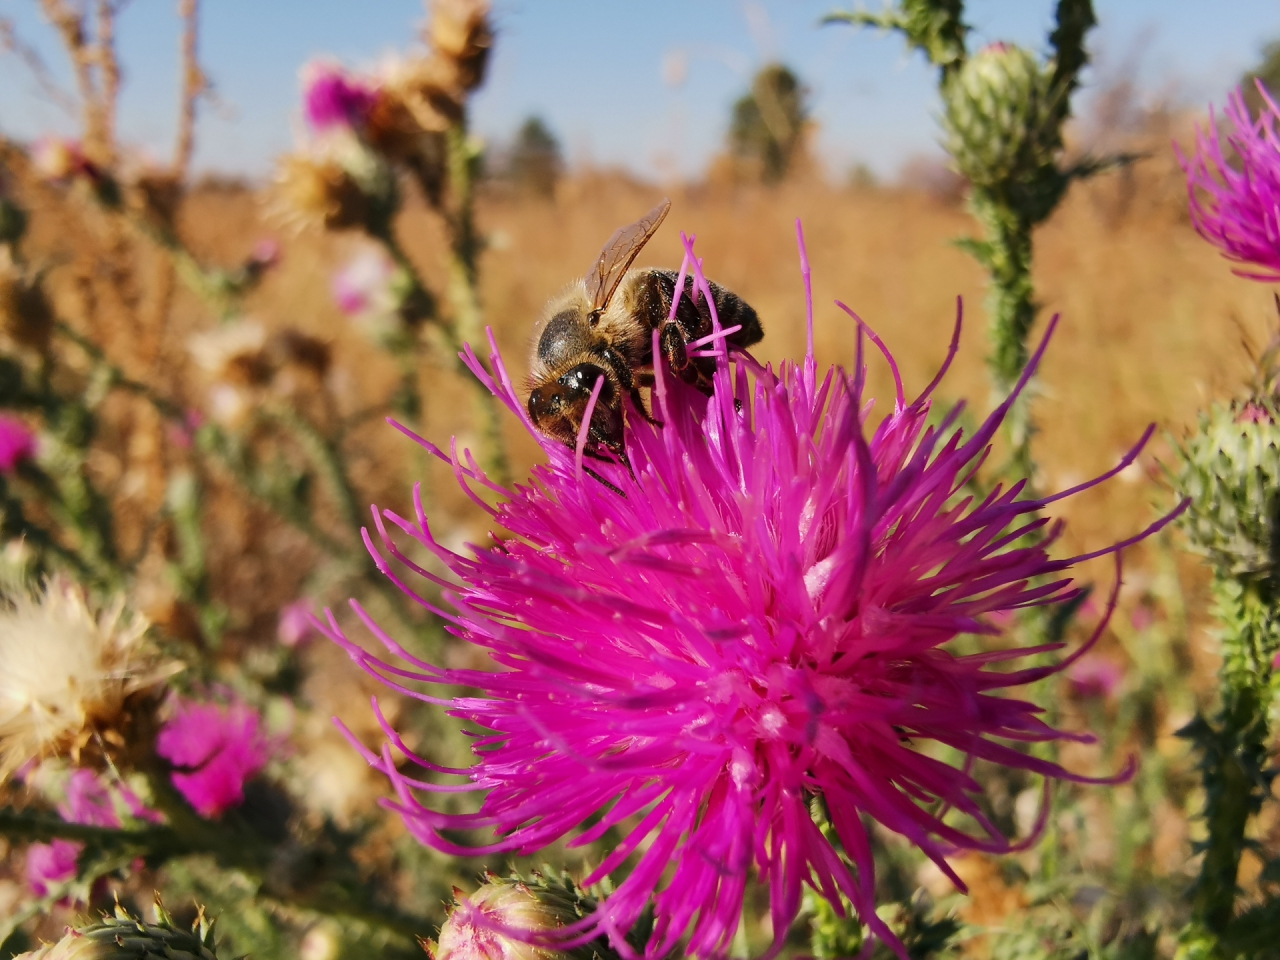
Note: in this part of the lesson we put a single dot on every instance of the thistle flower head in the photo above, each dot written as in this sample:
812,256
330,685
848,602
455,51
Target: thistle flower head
68,671
341,186
744,627
332,98
17,443
215,749
1236,205
122,937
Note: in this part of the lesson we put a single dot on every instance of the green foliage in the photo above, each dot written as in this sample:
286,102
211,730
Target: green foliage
536,162
934,27
1268,72
767,126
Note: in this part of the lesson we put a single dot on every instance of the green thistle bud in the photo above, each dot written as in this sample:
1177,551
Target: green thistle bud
999,117
474,929
124,938
1231,472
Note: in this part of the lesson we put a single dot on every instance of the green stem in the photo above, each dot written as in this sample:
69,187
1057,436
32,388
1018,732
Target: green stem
464,296
1006,253
1234,749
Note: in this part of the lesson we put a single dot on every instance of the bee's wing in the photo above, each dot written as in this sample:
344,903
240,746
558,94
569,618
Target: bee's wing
619,253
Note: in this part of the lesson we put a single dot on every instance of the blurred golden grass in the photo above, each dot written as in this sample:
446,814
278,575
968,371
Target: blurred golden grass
1152,318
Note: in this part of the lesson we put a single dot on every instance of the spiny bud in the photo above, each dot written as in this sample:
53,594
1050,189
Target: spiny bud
122,937
1231,472
999,116
487,924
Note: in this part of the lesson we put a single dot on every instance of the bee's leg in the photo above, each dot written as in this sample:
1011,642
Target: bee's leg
626,379
674,345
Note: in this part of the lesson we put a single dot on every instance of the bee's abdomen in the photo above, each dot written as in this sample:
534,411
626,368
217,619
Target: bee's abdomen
695,319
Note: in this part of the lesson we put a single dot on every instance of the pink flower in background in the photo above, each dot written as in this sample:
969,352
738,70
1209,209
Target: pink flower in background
1236,205
182,433
265,253
58,159
295,625
1142,617
17,443
754,612
364,288
88,801
332,98
214,748
1093,676
50,864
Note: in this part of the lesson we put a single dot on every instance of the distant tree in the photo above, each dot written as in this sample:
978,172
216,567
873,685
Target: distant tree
1268,71
535,162
767,127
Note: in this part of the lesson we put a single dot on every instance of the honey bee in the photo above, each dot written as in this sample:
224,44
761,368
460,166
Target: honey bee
602,328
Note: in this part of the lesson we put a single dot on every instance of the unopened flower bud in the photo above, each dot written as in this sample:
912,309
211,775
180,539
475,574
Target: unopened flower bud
999,116
1231,472
121,937
511,918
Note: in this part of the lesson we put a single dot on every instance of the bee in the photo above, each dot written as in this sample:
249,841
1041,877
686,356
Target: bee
601,328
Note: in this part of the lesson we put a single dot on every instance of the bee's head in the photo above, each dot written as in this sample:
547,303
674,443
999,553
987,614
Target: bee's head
558,408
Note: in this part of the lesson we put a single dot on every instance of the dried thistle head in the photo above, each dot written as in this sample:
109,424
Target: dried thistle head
69,670
155,194
25,313
234,352
461,38
317,190
291,348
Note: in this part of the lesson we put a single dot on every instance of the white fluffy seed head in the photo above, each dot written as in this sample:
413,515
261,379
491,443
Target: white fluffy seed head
66,670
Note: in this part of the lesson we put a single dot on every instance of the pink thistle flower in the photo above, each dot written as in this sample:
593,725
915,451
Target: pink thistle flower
17,443
88,801
1236,207
50,864
295,625
333,99
364,288
1094,676
752,613
215,749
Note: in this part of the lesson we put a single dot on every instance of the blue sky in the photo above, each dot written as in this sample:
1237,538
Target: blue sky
646,84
